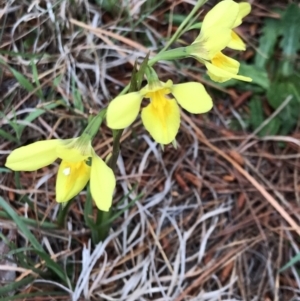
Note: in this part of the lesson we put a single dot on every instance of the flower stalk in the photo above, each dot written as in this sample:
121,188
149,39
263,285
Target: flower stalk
169,55
161,117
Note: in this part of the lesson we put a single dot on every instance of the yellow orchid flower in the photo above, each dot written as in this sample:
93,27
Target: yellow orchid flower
79,165
216,34
236,42
216,29
161,117
223,68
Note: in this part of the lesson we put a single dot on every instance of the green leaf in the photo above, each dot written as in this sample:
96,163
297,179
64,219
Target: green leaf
287,126
259,75
256,112
133,81
63,212
257,117
21,225
88,209
23,198
34,115
14,124
23,54
31,222
141,72
271,128
176,19
294,260
19,128
55,267
195,26
112,6
138,76
14,286
23,81
38,248
57,80
281,89
267,41
120,212
36,295
8,136
36,80
276,95
290,42
78,104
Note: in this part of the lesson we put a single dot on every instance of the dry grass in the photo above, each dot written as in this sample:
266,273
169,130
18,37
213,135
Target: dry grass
219,215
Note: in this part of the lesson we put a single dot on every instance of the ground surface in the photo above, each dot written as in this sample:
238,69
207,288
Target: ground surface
216,218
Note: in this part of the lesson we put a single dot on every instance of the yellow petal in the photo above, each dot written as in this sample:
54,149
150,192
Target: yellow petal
73,150
156,86
102,183
236,42
209,43
244,10
222,15
192,97
222,75
225,62
71,179
161,119
123,110
33,156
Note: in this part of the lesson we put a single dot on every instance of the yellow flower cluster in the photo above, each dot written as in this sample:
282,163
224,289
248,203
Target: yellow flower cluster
161,117
79,165
216,34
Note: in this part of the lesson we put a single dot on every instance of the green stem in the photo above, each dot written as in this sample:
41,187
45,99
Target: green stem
125,89
103,217
93,126
63,211
182,25
169,55
116,149
32,223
